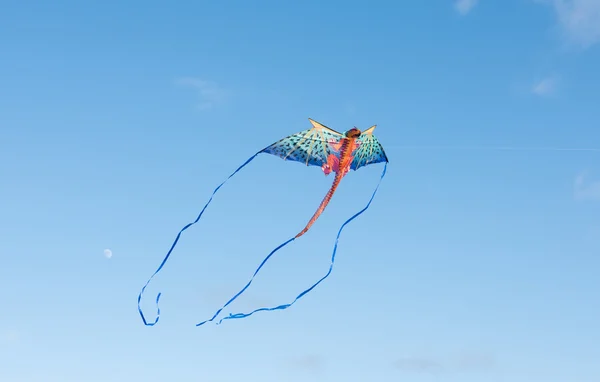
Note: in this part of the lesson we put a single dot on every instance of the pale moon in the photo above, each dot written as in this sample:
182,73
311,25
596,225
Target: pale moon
108,253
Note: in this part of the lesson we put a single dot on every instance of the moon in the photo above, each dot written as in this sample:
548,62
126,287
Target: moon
108,253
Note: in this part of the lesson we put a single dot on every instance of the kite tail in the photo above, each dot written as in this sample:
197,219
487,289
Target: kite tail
324,203
175,243
285,306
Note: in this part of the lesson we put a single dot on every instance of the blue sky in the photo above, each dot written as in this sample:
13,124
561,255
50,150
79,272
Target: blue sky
118,119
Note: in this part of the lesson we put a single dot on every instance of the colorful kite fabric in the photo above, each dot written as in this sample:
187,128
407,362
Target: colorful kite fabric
319,146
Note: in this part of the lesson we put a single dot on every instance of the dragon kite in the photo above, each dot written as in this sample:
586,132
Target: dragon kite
318,146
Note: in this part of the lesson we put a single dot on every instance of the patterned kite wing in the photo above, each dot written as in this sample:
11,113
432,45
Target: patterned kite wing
311,147
370,150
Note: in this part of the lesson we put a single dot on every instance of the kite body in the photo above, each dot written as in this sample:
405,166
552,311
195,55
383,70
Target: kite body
319,146
333,151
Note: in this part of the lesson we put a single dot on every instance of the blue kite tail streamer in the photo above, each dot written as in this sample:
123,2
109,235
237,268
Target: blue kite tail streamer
249,282
175,243
285,306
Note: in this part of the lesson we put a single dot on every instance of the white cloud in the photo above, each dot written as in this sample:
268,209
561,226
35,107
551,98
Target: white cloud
464,6
210,93
578,19
108,253
544,87
584,190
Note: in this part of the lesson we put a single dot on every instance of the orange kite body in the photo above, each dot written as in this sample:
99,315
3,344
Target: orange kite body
340,165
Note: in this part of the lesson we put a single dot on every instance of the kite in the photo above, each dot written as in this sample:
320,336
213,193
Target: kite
318,146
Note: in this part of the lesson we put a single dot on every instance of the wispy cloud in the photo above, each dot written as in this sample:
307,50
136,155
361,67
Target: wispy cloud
475,362
210,93
419,365
465,363
578,19
310,363
544,87
464,6
586,190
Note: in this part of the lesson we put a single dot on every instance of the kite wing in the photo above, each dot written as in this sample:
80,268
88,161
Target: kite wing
311,147
370,150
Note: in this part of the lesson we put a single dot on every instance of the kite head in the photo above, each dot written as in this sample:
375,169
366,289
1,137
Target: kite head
353,133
